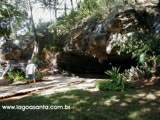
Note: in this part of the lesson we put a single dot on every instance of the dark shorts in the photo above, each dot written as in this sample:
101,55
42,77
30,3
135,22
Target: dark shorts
31,77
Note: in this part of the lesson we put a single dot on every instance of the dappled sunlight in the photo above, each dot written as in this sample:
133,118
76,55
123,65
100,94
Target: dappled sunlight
111,100
123,104
95,105
93,60
150,96
133,115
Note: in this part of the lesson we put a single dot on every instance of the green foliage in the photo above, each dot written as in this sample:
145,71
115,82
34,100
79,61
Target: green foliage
67,22
89,6
15,75
116,81
141,46
39,75
145,48
133,45
36,60
9,13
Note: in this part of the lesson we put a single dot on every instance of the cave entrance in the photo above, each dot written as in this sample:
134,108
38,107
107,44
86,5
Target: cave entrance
82,64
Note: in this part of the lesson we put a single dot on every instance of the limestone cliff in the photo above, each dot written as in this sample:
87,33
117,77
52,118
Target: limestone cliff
96,37
92,42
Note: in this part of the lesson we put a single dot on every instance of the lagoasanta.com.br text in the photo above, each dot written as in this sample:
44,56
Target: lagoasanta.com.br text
35,107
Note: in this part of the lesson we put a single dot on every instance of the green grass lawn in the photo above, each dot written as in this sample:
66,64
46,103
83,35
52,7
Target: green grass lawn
130,105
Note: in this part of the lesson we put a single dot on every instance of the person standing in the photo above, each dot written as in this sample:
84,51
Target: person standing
30,71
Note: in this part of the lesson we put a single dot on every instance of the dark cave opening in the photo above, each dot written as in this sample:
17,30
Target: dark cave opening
82,64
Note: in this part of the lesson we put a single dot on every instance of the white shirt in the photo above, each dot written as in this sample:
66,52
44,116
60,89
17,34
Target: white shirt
31,69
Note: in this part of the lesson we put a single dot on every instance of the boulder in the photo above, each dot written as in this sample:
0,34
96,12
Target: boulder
10,51
94,39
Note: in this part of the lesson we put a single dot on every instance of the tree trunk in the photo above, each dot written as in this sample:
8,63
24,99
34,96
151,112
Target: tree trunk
65,8
55,9
158,4
36,42
72,4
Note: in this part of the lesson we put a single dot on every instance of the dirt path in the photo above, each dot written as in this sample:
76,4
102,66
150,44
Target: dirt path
49,85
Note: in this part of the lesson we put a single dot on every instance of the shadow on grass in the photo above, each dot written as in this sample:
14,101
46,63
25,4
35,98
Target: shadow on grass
129,105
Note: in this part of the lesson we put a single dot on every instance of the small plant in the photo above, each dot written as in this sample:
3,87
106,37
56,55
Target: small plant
115,82
15,75
39,75
134,73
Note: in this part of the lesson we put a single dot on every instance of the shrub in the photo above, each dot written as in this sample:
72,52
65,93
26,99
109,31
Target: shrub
115,82
39,75
145,48
15,75
142,46
134,73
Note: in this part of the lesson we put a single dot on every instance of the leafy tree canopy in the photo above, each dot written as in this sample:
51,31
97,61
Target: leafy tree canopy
9,13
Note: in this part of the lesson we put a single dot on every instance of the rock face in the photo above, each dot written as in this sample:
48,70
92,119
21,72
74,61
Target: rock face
11,51
94,38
